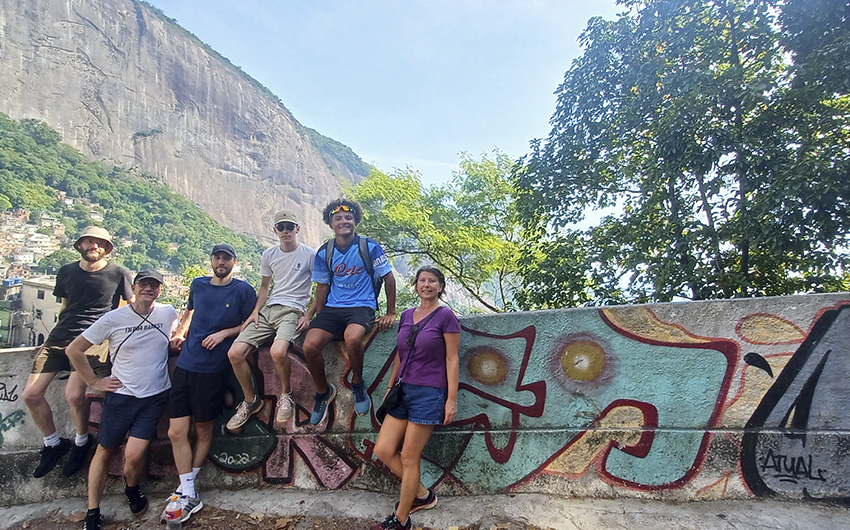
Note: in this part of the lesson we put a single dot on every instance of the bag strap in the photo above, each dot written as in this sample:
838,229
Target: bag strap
137,328
421,325
363,250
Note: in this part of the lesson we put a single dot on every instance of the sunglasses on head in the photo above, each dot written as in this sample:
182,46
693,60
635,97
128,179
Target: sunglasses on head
341,208
285,226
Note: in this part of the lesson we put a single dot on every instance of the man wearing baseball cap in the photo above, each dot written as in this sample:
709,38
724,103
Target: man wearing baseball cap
88,289
139,336
217,307
281,315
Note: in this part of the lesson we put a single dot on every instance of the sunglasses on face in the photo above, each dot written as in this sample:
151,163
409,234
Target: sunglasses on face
341,208
285,226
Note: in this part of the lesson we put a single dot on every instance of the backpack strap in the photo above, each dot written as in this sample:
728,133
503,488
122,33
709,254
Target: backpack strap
329,258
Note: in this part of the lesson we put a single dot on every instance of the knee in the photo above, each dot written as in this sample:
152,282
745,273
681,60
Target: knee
32,396
409,459
384,452
134,458
238,353
204,432
177,434
76,397
280,355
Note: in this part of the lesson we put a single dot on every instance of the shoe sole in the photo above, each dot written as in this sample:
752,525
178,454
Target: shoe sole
414,509
327,405
236,429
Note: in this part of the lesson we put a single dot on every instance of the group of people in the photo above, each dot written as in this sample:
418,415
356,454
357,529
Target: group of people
123,351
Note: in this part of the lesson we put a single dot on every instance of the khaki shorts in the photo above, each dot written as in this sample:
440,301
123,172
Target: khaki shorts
278,321
51,358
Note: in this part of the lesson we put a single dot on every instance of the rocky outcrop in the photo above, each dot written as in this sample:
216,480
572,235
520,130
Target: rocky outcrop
124,84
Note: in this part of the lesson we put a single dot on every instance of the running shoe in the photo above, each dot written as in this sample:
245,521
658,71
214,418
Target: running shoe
244,411
323,401
362,403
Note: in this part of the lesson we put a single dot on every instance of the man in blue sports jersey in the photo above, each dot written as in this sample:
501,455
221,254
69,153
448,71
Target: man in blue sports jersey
346,301
217,307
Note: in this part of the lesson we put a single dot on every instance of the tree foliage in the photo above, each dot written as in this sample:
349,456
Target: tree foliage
714,135
167,230
467,227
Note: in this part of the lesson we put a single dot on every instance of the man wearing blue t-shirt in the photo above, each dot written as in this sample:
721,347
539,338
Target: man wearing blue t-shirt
346,301
217,307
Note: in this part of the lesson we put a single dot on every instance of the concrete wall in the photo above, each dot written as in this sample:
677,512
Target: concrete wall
687,401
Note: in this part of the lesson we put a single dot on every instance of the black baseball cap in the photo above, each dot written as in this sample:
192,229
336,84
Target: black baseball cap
224,247
148,274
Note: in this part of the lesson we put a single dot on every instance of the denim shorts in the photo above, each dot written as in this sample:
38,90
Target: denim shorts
424,405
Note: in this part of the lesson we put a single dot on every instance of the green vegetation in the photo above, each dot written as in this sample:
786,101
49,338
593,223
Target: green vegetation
166,230
715,135
467,227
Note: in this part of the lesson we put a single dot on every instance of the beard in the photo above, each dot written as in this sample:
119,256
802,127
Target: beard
221,273
93,256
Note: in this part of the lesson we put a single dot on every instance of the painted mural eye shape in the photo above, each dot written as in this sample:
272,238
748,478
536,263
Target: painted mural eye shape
488,367
583,360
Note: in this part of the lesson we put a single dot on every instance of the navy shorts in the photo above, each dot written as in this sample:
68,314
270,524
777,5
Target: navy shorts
334,320
424,405
127,414
197,394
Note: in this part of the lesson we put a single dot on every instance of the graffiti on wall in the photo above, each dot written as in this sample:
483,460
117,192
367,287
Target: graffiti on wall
617,394
791,444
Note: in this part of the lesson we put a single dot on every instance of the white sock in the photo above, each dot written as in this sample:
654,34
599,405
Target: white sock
81,439
195,471
52,440
187,485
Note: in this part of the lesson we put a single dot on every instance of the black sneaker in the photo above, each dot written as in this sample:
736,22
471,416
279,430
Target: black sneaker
50,457
138,501
392,523
78,457
93,519
422,504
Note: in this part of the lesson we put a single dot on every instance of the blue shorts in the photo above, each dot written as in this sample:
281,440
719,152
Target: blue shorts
424,405
127,414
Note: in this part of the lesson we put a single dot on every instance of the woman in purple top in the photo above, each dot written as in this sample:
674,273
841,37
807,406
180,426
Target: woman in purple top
427,366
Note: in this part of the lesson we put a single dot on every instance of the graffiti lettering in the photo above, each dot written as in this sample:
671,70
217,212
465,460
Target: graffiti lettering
8,395
233,460
10,421
791,468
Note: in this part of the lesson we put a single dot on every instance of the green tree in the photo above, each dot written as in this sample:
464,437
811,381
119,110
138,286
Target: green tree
682,122
51,263
468,227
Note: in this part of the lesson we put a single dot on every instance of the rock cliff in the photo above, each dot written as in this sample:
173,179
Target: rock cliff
124,84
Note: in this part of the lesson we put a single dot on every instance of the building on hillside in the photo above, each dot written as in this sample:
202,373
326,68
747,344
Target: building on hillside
12,317
37,299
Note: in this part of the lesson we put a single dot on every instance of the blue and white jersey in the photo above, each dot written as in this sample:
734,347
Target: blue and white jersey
351,285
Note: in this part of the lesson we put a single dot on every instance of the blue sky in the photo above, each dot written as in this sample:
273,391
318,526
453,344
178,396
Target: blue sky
404,83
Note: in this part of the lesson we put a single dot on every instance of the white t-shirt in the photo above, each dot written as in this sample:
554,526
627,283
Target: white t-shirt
138,348
291,272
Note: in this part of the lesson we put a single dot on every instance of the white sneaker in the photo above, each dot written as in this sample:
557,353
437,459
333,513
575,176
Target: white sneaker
285,408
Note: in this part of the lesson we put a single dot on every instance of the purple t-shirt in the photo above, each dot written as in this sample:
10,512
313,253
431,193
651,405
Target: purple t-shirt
427,366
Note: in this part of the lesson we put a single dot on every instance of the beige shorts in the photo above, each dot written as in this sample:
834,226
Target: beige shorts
51,358
278,321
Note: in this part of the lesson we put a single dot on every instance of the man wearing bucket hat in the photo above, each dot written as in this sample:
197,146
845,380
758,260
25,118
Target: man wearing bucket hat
88,289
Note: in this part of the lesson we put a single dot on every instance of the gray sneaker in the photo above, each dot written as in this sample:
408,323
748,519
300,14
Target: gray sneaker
191,506
285,408
244,411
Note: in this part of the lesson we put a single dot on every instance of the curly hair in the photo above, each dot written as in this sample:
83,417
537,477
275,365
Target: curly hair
436,272
354,206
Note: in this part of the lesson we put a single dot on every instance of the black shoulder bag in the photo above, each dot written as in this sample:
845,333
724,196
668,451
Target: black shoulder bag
391,399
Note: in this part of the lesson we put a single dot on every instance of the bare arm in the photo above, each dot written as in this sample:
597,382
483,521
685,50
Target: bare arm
76,352
304,320
179,335
387,321
452,368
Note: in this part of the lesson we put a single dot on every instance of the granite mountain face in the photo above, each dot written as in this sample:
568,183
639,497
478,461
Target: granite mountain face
124,84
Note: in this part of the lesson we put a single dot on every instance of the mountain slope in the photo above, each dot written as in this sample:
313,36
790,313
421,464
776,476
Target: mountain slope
125,84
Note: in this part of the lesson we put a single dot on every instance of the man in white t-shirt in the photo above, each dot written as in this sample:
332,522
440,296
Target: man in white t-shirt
139,334
281,314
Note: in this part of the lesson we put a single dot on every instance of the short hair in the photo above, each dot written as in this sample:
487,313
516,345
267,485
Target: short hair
354,206
436,272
